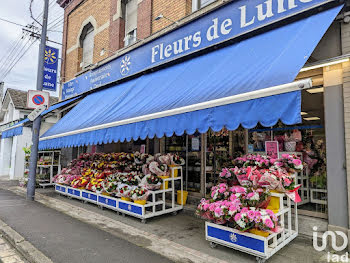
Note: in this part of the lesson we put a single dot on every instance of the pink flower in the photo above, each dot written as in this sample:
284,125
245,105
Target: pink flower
224,172
233,208
287,182
205,207
238,217
233,197
212,207
218,212
272,161
221,190
285,156
268,222
250,195
251,214
245,210
269,212
297,162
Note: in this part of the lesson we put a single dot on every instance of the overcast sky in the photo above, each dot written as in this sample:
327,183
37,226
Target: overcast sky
23,75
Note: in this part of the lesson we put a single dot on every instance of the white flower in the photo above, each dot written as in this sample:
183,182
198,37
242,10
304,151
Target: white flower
241,223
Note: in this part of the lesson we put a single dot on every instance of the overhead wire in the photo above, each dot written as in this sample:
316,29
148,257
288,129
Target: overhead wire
18,59
17,53
9,51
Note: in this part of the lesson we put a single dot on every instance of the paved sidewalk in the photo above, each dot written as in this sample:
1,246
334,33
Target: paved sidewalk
65,239
8,254
179,237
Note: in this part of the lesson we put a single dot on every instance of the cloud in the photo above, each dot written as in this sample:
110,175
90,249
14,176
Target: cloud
23,75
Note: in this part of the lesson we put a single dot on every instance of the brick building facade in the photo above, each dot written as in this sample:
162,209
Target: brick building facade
107,18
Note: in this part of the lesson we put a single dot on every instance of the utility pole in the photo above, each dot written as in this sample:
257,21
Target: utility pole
37,122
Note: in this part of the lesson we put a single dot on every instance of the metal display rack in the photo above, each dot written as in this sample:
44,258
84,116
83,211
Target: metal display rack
50,166
155,207
261,247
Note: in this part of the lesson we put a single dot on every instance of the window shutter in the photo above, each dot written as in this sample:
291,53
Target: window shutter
131,16
88,47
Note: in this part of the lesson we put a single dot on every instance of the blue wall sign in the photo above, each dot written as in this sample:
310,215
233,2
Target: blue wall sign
230,21
50,68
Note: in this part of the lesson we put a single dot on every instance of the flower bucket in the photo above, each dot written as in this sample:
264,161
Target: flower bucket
126,198
140,202
164,183
173,173
181,197
259,232
274,204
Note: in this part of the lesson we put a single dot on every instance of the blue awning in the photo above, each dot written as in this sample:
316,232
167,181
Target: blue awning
266,60
59,105
18,130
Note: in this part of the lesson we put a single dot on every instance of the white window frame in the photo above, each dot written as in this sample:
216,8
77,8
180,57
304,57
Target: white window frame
130,30
89,32
198,4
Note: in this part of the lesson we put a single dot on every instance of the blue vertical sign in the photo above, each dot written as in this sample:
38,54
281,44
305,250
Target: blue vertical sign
50,68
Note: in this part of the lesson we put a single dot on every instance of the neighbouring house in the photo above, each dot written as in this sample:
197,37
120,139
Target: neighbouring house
13,110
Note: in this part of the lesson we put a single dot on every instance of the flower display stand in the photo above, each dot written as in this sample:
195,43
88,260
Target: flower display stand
318,196
156,206
261,247
303,179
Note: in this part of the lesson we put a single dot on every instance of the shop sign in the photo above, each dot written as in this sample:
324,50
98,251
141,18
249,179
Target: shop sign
50,68
195,144
271,149
250,148
143,148
228,22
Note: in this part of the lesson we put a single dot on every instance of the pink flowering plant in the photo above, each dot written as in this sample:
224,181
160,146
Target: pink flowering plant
252,160
290,163
220,192
249,218
259,198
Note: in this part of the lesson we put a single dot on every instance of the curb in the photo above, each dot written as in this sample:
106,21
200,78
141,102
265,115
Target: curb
26,249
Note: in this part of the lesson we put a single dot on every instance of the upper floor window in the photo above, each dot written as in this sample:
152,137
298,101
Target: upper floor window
130,22
87,44
198,4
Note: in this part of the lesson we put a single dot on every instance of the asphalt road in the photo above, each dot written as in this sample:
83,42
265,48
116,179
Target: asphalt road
65,239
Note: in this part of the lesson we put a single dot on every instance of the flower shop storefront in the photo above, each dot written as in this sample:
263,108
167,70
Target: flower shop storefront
250,85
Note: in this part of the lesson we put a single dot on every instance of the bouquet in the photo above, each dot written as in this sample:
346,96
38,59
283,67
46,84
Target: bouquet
110,187
151,182
124,190
220,192
80,182
258,198
158,169
290,163
266,220
175,159
139,193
